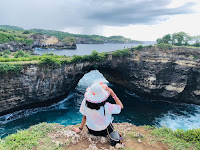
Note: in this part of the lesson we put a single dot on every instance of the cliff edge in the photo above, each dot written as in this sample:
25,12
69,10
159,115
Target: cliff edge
56,136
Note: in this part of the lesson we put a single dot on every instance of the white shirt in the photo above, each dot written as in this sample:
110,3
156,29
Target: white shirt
95,119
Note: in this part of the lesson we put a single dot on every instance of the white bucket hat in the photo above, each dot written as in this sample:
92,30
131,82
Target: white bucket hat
96,93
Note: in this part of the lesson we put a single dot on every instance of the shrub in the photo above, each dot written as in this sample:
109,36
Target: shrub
149,46
121,53
50,62
26,55
7,52
5,56
26,32
19,54
95,56
164,46
76,58
5,68
1,54
139,47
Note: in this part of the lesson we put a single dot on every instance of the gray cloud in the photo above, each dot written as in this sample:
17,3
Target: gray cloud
60,14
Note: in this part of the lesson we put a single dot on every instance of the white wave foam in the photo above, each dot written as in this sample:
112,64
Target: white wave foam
175,121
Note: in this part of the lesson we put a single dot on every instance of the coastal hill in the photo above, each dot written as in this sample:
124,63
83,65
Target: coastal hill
76,38
15,39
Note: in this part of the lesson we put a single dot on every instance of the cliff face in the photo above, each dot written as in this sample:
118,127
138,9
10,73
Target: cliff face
40,41
171,75
15,46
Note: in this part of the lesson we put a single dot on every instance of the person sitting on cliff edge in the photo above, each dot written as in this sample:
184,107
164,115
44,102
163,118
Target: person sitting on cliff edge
97,113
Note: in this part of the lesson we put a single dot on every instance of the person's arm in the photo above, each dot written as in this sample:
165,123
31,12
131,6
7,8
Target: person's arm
114,96
83,122
117,101
77,130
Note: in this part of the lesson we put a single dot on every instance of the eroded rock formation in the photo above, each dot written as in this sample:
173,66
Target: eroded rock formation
46,41
170,75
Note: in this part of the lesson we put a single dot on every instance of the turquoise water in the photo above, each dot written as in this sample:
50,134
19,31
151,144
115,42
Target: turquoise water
136,110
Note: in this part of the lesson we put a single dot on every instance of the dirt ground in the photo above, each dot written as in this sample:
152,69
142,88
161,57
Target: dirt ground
135,138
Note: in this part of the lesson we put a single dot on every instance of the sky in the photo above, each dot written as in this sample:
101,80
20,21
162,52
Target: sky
144,20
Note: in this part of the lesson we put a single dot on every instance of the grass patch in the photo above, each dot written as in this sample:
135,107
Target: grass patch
131,134
148,127
29,138
179,139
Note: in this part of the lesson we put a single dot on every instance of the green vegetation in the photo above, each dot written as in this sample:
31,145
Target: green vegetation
68,40
95,56
19,54
164,46
179,39
29,138
5,56
179,139
139,47
122,53
7,52
12,28
26,32
50,62
8,37
94,38
5,68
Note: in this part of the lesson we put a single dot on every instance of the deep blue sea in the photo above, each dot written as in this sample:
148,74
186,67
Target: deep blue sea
136,110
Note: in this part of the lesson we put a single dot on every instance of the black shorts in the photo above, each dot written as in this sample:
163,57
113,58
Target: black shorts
102,132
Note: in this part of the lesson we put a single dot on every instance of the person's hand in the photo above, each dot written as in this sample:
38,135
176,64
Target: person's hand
77,130
109,90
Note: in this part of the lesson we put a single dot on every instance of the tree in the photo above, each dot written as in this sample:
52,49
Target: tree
166,39
180,38
159,40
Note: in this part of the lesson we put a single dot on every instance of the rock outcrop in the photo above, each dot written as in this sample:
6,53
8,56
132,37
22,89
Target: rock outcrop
168,75
46,41
15,46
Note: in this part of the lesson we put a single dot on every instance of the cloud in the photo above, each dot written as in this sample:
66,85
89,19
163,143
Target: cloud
86,14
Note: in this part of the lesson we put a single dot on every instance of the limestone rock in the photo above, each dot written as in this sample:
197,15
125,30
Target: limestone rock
138,135
92,147
119,146
139,140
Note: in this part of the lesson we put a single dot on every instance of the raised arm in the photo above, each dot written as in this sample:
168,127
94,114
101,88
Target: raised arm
114,96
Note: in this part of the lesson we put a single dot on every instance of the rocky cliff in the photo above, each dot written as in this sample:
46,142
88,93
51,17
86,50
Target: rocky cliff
46,41
39,41
170,75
